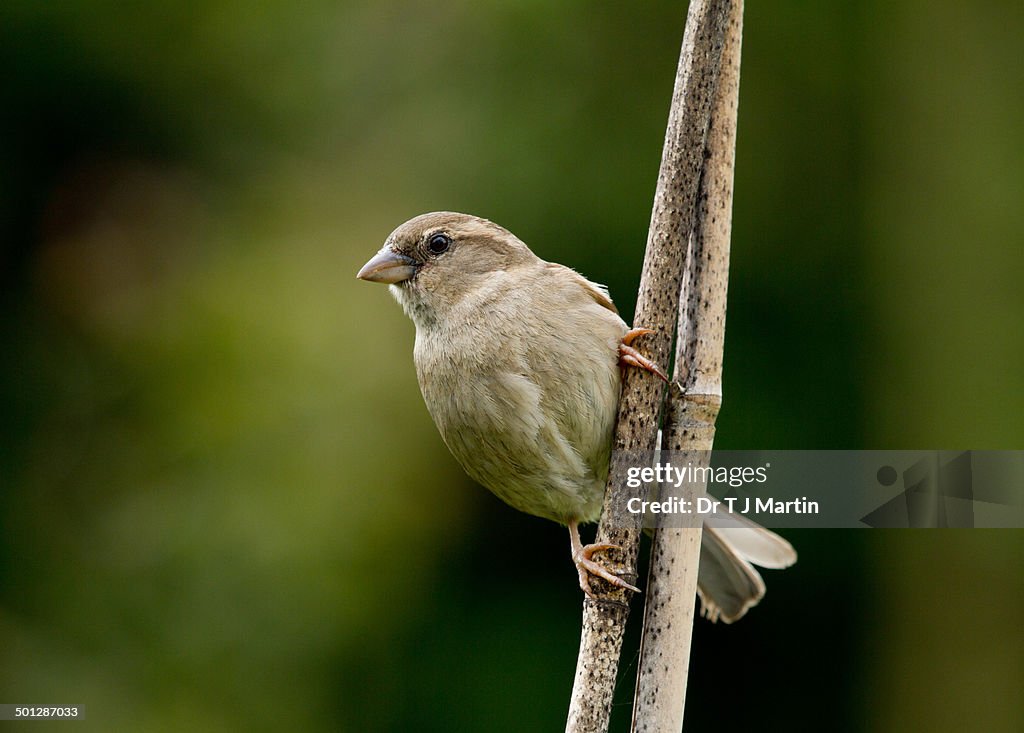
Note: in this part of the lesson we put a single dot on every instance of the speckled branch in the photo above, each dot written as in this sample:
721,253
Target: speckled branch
672,220
692,411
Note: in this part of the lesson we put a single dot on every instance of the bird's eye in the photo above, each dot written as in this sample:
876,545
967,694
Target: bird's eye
439,244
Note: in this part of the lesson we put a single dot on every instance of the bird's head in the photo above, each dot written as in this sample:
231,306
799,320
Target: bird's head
434,261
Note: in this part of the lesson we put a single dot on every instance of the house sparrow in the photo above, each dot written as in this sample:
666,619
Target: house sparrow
518,360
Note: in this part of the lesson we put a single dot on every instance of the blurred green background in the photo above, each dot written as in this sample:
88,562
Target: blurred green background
223,505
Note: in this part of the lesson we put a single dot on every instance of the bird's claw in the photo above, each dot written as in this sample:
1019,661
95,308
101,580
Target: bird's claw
587,566
629,355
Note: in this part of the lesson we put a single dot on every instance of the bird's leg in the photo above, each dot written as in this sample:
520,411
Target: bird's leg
586,566
629,355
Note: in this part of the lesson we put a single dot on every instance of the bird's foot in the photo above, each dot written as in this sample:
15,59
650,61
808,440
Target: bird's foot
629,355
586,567
582,556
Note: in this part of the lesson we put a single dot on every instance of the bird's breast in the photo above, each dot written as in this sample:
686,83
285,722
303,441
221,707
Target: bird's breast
526,411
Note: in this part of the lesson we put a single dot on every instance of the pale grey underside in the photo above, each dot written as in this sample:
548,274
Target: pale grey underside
525,397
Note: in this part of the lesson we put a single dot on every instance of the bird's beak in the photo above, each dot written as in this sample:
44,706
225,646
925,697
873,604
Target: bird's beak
388,266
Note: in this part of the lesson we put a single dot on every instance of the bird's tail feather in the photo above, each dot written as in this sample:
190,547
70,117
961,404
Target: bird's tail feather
728,584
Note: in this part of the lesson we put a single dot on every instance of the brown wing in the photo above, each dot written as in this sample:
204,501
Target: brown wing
598,292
